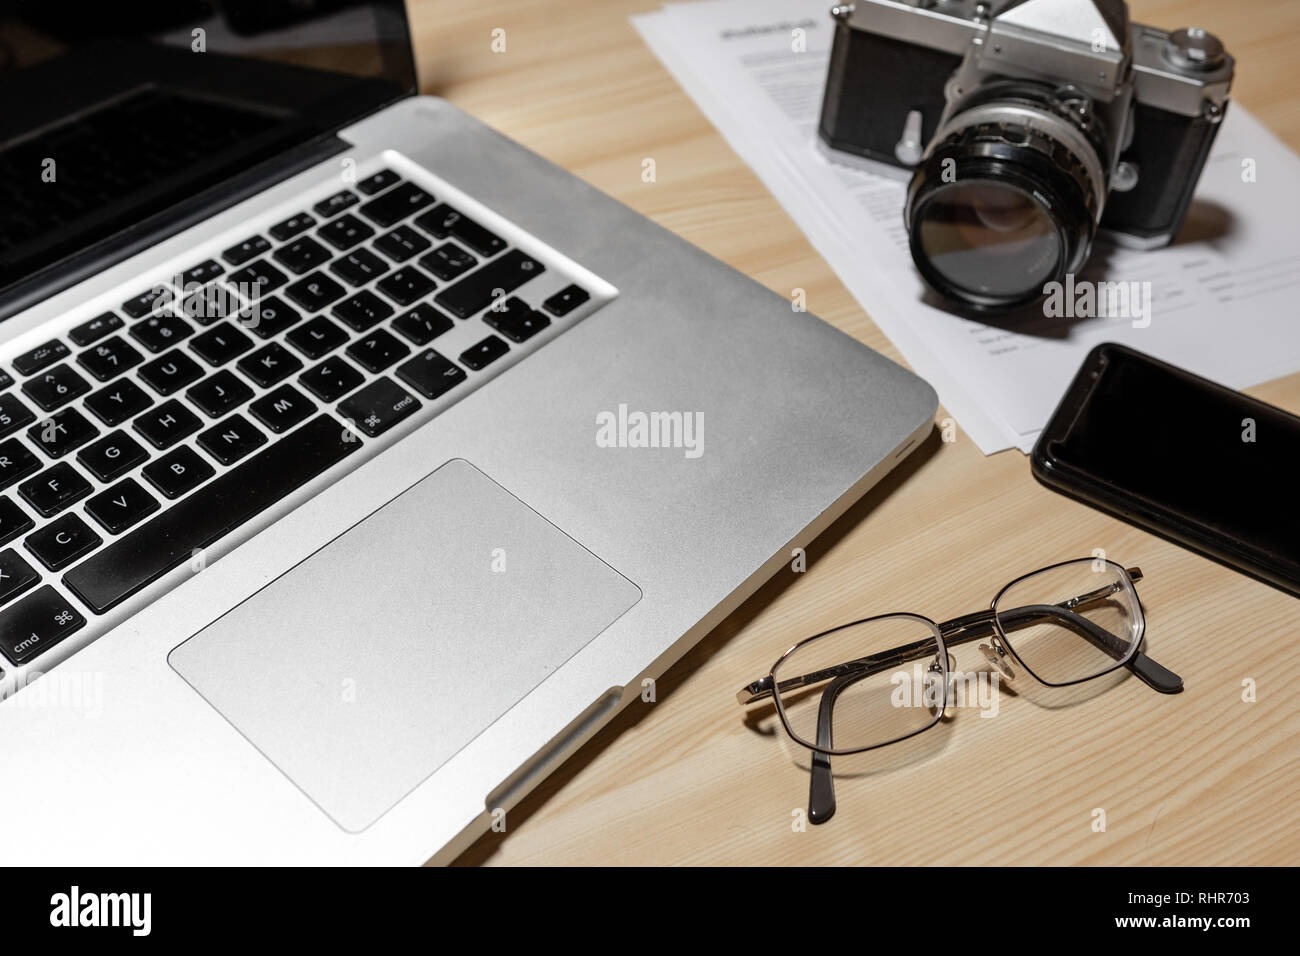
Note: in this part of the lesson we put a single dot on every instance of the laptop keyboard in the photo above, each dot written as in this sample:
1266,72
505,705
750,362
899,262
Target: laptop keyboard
141,436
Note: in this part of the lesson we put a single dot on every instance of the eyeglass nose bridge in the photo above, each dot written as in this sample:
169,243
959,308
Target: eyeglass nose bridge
997,656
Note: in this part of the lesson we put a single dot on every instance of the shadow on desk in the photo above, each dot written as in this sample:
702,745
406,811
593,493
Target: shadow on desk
483,849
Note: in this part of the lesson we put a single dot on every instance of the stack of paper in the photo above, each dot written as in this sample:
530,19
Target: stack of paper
1222,299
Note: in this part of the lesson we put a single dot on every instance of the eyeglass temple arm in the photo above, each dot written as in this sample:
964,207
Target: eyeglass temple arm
972,627
821,783
1152,674
862,667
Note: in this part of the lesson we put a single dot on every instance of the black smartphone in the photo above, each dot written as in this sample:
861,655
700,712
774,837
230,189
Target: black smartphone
1188,459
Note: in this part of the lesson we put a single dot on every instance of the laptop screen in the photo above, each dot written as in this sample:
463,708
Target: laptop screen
116,115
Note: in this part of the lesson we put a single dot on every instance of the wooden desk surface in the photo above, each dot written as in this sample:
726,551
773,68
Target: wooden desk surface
1200,778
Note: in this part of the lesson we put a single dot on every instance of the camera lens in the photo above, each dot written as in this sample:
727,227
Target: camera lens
988,239
1008,196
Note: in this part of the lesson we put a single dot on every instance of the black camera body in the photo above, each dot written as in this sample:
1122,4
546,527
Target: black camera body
1041,125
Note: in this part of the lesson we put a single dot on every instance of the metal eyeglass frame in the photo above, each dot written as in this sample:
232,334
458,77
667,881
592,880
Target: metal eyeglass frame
959,630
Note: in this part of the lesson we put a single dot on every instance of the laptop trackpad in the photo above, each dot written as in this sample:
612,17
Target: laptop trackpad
364,668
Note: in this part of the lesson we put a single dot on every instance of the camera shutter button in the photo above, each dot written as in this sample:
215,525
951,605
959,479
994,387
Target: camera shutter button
1194,49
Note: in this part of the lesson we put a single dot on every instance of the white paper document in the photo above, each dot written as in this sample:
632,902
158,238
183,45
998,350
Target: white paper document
1220,302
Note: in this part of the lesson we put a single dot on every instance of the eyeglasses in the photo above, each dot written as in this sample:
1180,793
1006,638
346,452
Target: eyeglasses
848,690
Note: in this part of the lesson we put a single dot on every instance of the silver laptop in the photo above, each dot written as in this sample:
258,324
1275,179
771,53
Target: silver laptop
357,464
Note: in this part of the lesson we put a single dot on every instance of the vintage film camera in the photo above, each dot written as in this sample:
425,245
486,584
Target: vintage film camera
1027,125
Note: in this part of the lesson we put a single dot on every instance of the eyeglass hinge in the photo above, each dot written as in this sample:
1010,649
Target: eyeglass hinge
756,691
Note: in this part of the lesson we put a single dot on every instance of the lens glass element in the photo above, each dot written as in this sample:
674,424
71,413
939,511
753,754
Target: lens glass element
990,239
1071,622
864,684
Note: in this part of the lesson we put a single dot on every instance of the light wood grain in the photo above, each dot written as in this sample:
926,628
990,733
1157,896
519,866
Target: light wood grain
1200,778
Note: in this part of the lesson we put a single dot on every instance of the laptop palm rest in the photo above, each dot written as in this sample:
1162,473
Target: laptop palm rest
365,667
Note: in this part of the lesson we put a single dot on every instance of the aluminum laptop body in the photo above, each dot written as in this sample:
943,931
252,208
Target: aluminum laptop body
373,625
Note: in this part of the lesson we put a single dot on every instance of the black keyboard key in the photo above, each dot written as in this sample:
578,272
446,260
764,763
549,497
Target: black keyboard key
250,248
298,222
62,541
116,403
396,204
121,506
363,310
256,280
345,232
566,300
202,274
270,317
484,353
55,387
219,393
283,408
408,284
147,302
476,291
167,424
377,350
221,344
54,489
110,358
431,374
62,432
210,303
378,407
231,440
16,575
423,324
40,357
169,539
112,456
16,462
359,267
36,623
448,261
442,221
13,414
515,320
332,205
318,337
402,243
95,329
270,365
302,255
161,331
170,372
378,182
178,471
315,291
13,520
331,379
5,379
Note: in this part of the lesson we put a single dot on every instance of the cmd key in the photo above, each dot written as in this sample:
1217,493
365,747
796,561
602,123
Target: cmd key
36,623
379,406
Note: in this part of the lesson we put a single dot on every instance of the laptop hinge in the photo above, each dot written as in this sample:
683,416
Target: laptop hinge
153,230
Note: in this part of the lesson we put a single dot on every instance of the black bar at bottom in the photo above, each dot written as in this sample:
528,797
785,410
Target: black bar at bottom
146,554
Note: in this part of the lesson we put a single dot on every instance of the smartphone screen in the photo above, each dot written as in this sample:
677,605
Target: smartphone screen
1212,456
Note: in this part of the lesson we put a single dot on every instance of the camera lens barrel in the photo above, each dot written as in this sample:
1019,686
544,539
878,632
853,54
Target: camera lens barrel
1008,196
